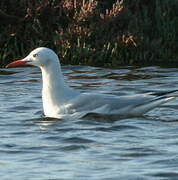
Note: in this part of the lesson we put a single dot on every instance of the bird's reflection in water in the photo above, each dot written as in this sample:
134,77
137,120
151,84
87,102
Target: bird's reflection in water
46,122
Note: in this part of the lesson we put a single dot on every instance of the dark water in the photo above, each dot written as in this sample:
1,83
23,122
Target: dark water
35,148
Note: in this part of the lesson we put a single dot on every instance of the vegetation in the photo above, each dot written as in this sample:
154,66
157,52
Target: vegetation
92,32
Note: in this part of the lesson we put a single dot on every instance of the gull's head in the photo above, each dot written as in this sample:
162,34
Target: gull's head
40,57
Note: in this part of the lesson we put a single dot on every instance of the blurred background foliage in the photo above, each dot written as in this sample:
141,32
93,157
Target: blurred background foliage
92,32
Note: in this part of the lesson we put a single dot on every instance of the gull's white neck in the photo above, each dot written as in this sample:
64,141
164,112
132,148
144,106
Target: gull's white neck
55,92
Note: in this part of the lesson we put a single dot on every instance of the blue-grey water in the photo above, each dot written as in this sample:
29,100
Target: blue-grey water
37,148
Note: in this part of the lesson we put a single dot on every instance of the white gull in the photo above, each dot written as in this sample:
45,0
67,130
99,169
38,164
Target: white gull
60,100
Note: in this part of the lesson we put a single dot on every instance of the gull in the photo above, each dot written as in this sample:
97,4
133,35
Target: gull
60,100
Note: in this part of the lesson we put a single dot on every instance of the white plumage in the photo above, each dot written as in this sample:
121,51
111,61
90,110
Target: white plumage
60,100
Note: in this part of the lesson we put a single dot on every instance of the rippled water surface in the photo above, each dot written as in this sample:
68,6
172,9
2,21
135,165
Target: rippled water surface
36,148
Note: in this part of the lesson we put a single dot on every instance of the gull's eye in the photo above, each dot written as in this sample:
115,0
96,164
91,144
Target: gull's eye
35,55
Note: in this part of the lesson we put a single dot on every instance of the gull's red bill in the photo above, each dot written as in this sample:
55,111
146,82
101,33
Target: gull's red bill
16,63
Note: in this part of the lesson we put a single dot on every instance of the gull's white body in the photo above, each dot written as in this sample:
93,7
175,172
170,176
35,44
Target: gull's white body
60,100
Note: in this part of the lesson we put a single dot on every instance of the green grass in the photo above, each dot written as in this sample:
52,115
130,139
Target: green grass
92,32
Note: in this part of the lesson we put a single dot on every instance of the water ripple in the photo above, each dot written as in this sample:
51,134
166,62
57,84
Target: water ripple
95,147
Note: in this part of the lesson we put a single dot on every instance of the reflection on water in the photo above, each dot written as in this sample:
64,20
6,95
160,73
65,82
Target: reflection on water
95,147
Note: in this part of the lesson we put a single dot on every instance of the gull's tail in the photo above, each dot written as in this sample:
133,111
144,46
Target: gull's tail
159,99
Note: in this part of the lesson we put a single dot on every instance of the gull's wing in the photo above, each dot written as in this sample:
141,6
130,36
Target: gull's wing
124,105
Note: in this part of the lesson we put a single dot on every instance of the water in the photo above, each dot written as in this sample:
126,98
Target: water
37,148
